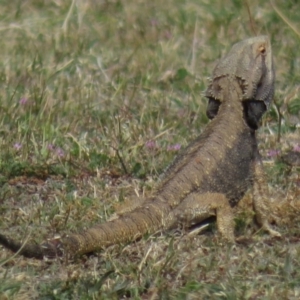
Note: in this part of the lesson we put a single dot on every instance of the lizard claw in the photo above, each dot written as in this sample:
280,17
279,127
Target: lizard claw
271,231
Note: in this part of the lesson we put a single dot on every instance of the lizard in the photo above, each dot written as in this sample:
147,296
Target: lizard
209,177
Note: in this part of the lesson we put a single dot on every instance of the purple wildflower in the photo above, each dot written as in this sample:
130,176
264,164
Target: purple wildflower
56,150
23,101
60,152
167,35
150,144
175,147
17,146
273,153
51,147
296,148
153,22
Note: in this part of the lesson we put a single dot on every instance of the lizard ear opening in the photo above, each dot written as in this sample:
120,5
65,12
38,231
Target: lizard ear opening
253,111
212,108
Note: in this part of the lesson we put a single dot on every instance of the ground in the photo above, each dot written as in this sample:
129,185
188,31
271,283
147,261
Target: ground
97,97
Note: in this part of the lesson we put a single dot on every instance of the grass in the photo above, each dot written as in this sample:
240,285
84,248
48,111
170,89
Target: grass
96,99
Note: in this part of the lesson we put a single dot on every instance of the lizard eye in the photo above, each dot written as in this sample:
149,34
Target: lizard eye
262,49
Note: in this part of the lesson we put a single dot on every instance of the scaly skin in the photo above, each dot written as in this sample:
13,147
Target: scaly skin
210,176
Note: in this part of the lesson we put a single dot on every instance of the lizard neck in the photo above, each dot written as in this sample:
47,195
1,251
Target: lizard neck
231,109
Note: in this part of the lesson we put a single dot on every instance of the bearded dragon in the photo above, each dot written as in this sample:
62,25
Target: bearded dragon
206,179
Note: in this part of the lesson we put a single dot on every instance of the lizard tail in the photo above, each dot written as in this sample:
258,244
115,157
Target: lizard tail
49,249
128,227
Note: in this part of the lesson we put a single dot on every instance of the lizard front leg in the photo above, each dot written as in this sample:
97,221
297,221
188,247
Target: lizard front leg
199,207
261,201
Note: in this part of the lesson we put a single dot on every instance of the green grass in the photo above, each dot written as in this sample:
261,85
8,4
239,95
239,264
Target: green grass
94,95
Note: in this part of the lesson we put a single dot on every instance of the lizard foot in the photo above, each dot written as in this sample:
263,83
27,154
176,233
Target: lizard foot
272,232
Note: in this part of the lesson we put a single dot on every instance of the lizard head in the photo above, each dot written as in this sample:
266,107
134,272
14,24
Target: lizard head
250,62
